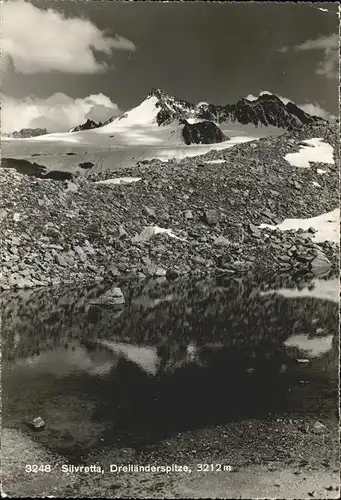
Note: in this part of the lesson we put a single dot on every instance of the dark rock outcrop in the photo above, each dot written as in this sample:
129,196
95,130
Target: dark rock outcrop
86,165
204,132
88,125
171,108
24,167
25,133
32,169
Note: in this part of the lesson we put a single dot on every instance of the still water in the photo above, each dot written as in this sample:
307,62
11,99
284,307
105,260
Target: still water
179,356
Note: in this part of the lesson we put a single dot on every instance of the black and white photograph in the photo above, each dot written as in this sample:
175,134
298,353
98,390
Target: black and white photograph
170,249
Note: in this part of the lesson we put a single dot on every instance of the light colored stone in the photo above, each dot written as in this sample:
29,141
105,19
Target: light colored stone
319,427
122,233
81,254
56,247
15,241
113,297
38,423
222,241
61,260
71,186
320,264
24,283
149,211
211,217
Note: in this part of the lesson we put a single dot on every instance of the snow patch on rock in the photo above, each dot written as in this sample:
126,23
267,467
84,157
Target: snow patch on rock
216,162
150,231
119,180
322,290
314,150
313,347
194,120
327,226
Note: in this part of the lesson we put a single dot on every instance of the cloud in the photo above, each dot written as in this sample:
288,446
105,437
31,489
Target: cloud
329,66
45,40
315,110
310,108
323,42
283,49
57,113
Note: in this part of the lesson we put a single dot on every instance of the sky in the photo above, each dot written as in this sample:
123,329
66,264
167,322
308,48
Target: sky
64,62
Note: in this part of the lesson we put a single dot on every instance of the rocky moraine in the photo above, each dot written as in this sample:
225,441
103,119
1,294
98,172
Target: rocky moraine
193,216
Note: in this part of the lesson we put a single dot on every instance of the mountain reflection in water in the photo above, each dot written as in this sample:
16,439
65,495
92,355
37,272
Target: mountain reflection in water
180,355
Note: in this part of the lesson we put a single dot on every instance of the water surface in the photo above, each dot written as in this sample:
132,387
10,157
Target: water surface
179,356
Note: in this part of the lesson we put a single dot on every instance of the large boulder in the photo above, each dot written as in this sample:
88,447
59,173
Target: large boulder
320,264
205,132
113,297
211,217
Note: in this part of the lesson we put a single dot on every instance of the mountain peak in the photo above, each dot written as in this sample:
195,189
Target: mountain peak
88,125
158,93
163,109
169,107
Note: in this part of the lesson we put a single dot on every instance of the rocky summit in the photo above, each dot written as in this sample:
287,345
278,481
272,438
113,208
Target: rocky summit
267,109
179,217
25,133
88,125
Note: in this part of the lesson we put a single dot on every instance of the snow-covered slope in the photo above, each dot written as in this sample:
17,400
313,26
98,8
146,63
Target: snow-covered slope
135,127
65,156
144,114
